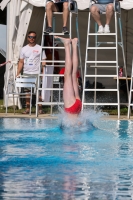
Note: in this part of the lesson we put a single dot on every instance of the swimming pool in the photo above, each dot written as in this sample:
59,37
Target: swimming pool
39,160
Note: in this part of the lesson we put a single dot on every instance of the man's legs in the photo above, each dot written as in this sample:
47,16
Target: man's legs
95,12
28,105
109,13
65,17
27,99
50,8
65,13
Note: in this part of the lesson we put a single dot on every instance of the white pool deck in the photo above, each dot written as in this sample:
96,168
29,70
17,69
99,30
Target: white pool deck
49,116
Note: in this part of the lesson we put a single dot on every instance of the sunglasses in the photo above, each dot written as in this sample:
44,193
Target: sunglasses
32,37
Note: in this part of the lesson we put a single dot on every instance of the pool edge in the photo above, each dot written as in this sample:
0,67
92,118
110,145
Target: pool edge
49,116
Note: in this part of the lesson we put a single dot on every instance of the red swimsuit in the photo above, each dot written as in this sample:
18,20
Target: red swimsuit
75,108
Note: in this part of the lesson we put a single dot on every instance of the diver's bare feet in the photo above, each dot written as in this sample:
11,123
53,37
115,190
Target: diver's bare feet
65,41
74,41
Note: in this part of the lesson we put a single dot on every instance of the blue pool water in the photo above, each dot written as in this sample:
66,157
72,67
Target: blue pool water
39,160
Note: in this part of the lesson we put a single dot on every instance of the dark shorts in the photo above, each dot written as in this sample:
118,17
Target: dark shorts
59,6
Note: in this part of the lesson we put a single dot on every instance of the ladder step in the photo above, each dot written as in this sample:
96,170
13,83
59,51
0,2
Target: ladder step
100,61
109,66
123,78
49,89
57,13
59,75
105,90
55,65
99,43
101,48
53,61
124,104
101,33
53,47
55,34
50,103
102,104
101,76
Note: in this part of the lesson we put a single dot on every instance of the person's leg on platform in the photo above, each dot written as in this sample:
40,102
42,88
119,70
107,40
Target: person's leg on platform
109,14
75,67
27,104
65,17
50,8
95,12
40,106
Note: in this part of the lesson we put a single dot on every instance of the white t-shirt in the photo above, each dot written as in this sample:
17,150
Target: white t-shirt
31,56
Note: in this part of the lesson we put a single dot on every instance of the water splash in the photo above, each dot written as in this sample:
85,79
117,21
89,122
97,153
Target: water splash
83,122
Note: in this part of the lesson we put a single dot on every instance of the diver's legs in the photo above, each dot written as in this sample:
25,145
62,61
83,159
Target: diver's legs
68,90
75,68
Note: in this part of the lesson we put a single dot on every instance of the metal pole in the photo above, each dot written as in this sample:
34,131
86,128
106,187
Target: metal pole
118,94
124,61
86,58
79,51
95,85
130,93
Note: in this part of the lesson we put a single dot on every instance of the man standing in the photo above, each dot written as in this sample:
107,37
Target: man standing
57,6
30,62
102,6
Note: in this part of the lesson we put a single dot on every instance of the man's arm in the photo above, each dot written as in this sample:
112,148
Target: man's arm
44,59
20,66
43,63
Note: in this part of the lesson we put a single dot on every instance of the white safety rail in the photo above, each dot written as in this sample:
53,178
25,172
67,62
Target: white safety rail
130,94
97,65
57,63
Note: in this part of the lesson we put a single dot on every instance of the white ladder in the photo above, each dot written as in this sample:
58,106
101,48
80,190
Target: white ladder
55,62
98,64
130,94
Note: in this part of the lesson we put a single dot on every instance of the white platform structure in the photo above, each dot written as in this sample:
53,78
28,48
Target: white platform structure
96,63
19,14
57,45
3,40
